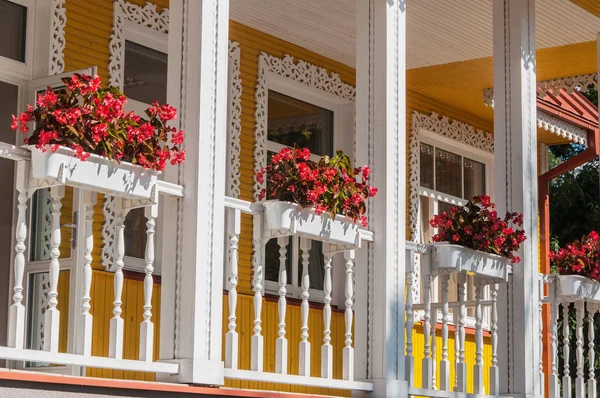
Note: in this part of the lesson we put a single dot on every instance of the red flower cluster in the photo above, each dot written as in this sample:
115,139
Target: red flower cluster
329,186
477,226
579,257
89,119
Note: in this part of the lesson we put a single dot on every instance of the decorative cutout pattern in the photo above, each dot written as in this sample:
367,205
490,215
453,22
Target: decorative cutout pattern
235,123
146,15
301,72
109,233
57,44
561,128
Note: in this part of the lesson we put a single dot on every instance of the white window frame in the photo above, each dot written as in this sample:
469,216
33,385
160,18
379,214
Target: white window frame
154,40
343,130
465,151
17,69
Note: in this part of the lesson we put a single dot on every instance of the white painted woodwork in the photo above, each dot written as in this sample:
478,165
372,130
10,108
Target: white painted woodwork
461,367
199,85
494,369
16,331
348,352
85,339
147,326
304,345
591,384
515,140
117,324
541,335
554,377
427,367
327,348
478,387
381,138
281,344
579,380
257,341
434,350
410,318
445,363
231,338
52,315
566,380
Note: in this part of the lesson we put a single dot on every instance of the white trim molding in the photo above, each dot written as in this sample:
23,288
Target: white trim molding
301,72
57,42
561,128
235,123
147,16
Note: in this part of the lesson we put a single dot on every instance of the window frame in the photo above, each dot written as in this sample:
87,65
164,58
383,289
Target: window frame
157,41
17,69
343,121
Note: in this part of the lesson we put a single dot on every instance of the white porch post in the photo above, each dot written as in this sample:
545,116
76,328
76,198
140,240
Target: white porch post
515,140
198,85
381,143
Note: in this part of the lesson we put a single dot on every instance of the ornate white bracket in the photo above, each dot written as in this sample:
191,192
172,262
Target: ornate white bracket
561,128
57,40
235,123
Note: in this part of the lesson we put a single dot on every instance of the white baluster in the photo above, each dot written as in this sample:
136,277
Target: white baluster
541,348
434,350
348,364
52,315
304,347
85,338
426,362
410,318
478,367
327,348
591,384
257,342
231,338
461,367
494,370
566,385
445,363
580,380
554,378
147,326
281,345
115,343
16,332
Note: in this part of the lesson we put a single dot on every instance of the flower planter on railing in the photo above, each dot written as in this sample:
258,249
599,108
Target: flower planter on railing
287,218
576,287
96,173
448,258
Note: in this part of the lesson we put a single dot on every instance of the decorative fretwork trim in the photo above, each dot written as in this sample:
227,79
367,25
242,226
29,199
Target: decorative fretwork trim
561,128
235,124
57,42
147,16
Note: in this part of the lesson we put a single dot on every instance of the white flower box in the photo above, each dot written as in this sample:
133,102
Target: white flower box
448,258
286,218
97,173
576,287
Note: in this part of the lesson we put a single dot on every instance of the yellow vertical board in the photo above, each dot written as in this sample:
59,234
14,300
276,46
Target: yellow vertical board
63,308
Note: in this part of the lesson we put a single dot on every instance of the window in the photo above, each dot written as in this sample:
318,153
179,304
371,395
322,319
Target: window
450,175
145,81
13,30
295,122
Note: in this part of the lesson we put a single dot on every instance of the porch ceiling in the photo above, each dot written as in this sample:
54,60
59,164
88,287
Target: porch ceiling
438,31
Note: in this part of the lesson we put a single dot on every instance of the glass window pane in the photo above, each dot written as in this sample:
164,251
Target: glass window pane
272,261
448,173
41,225
294,122
426,229
135,233
9,103
145,74
426,166
13,28
444,207
474,173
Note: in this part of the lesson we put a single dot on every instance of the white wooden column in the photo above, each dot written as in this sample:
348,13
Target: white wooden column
327,348
147,326
515,141
348,353
117,324
281,344
16,331
231,338
52,315
198,68
84,337
304,345
381,143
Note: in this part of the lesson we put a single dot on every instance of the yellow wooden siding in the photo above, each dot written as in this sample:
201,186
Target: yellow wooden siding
133,302
592,6
63,308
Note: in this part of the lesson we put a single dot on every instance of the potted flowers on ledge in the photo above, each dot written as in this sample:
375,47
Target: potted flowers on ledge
82,136
578,268
323,200
473,238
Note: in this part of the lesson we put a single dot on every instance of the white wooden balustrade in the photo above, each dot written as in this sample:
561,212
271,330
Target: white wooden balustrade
81,355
